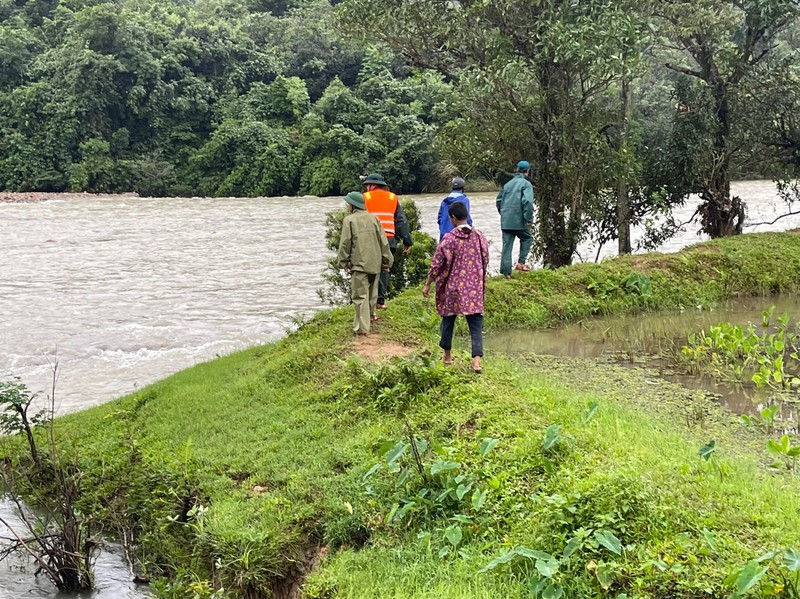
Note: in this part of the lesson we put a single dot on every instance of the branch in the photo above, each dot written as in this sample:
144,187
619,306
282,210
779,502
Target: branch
772,222
38,558
684,70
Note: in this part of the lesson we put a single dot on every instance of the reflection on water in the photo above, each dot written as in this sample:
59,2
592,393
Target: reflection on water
643,339
17,580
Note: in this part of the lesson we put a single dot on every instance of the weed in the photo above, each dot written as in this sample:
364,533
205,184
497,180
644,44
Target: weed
429,487
732,352
784,567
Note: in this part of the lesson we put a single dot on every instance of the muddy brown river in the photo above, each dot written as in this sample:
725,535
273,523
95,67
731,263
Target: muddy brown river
123,291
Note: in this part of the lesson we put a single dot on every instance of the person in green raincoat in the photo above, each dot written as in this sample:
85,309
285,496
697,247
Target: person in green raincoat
364,253
515,205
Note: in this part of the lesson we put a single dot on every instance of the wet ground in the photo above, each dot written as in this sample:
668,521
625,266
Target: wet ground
647,340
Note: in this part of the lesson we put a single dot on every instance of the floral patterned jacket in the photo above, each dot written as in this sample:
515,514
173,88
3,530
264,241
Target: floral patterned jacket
459,268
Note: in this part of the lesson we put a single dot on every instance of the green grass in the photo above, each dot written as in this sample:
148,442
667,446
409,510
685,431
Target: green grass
274,443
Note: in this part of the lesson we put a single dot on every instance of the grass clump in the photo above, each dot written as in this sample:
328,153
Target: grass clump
301,464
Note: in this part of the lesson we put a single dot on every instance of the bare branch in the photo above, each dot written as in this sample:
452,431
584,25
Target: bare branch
772,222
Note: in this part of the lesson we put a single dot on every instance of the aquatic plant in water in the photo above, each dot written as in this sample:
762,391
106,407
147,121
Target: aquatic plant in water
769,358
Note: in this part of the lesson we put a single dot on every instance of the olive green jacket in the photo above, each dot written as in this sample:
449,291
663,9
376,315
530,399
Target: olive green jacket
515,204
363,246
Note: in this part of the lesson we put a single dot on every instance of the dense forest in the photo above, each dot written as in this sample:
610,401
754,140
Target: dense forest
622,107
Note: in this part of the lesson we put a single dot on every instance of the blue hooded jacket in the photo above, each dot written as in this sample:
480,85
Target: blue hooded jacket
445,226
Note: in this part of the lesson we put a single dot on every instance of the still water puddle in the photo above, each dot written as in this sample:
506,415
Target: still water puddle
645,340
113,580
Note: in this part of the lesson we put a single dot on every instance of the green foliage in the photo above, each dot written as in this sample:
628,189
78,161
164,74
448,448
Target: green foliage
426,487
210,98
237,470
769,359
396,385
774,574
15,401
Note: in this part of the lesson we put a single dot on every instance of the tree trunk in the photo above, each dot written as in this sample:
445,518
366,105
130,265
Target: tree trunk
721,215
623,200
558,247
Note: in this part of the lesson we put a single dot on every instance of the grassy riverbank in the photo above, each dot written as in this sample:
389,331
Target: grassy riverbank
250,470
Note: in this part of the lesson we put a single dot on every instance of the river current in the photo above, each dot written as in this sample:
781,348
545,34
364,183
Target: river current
124,291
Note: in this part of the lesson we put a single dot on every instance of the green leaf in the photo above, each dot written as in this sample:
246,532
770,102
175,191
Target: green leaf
444,466
392,512
463,490
551,436
454,535
608,540
463,519
372,470
533,554
749,577
395,452
605,576
591,411
707,450
553,591
792,560
571,547
501,559
487,445
709,539
547,568
478,499
774,447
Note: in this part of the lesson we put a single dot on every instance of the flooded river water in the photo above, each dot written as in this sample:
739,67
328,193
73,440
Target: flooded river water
124,291
17,580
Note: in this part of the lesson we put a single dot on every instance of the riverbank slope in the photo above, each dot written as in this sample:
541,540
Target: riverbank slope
404,479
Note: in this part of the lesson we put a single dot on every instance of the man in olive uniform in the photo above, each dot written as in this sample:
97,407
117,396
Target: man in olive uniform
515,205
364,254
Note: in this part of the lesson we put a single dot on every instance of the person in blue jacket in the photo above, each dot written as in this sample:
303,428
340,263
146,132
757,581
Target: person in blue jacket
457,195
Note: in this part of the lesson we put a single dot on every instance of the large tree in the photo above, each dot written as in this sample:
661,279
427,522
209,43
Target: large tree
724,45
532,78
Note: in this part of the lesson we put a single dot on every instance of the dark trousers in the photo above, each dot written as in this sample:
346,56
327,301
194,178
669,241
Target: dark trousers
525,242
383,282
475,323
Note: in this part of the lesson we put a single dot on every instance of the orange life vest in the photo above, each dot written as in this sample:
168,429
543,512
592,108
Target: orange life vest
383,204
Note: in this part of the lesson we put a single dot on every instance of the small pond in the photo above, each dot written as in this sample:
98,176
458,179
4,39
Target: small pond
17,580
646,340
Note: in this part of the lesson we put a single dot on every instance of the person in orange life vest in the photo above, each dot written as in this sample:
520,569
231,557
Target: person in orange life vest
384,204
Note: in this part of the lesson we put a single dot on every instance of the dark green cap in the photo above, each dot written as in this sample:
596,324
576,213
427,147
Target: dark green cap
356,200
375,179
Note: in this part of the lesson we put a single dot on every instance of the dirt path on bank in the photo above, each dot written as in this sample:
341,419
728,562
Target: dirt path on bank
374,348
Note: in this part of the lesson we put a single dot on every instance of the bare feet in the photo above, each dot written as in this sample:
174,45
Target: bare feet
522,267
447,359
476,365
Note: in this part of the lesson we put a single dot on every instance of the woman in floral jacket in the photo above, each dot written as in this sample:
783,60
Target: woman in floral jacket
459,268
